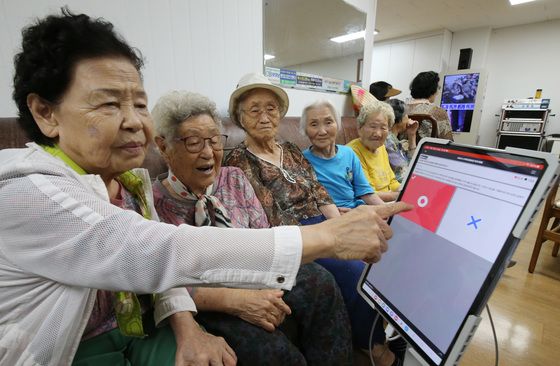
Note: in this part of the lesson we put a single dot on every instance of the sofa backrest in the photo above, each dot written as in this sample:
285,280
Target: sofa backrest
289,131
12,136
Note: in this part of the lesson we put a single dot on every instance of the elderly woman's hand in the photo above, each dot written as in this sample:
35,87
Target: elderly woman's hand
343,210
359,234
412,127
195,347
263,308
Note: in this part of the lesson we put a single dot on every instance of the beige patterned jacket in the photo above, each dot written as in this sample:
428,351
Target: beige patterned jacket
423,106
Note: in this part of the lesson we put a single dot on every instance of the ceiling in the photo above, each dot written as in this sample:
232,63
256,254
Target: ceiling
298,31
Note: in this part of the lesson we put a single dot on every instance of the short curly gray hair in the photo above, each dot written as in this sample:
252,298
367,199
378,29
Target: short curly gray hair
373,108
317,104
174,107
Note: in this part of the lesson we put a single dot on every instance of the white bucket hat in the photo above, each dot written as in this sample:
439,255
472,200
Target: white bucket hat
253,81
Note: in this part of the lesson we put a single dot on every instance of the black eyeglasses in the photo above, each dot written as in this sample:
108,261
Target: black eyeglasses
195,144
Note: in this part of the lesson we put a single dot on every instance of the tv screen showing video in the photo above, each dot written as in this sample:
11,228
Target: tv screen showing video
458,99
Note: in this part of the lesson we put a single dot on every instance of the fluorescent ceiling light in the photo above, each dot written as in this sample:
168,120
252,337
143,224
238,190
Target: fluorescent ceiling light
517,2
268,57
352,36
349,37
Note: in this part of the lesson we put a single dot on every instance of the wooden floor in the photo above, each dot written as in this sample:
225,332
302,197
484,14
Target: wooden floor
526,311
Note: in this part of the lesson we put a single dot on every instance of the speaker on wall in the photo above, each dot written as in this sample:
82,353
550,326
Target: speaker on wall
465,56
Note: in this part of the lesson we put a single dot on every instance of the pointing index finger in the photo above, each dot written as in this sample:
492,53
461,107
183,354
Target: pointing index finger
393,208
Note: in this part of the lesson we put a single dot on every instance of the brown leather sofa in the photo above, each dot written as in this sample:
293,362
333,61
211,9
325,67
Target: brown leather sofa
12,136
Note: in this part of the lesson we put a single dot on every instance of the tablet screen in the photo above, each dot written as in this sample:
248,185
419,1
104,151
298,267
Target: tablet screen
466,203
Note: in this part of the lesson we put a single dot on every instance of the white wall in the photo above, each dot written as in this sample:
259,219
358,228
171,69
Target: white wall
398,61
339,67
299,99
478,39
520,60
203,46
362,5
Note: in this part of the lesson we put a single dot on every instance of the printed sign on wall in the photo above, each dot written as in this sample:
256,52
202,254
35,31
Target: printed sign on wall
300,80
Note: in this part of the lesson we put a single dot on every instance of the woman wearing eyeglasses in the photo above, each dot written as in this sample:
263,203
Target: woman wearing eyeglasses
305,326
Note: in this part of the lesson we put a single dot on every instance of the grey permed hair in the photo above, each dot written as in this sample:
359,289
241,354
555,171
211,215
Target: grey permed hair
317,104
176,106
373,108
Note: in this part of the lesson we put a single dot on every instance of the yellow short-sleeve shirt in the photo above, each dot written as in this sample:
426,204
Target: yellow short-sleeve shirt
376,167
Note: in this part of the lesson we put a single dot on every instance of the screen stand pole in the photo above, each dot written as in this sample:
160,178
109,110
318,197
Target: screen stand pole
412,358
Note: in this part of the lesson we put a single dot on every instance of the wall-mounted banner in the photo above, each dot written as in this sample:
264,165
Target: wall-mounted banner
309,80
302,80
273,74
288,78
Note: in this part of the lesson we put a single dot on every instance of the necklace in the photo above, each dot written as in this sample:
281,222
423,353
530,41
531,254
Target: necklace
284,172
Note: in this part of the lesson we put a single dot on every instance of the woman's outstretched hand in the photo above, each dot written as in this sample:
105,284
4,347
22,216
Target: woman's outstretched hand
361,233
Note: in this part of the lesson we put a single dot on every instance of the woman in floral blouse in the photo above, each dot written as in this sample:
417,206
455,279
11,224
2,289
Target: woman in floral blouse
283,179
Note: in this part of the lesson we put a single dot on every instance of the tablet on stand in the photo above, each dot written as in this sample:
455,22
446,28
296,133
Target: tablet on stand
472,205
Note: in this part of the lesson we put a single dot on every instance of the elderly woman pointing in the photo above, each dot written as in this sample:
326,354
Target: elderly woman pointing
80,97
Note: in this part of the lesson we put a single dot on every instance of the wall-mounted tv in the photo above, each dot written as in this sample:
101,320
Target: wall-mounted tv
458,98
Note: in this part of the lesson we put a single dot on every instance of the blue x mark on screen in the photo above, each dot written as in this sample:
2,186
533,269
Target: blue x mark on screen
474,222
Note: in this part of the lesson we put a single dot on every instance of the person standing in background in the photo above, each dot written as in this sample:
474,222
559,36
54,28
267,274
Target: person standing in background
423,89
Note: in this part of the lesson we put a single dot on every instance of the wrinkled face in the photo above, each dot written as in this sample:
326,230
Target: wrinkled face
374,131
321,127
195,170
103,123
402,125
260,114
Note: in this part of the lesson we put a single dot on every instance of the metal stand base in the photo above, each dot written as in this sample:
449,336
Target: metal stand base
412,358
